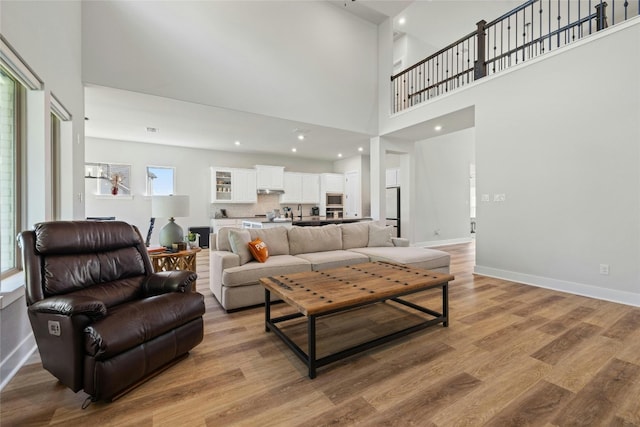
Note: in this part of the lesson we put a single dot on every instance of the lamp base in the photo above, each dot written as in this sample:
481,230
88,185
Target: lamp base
171,233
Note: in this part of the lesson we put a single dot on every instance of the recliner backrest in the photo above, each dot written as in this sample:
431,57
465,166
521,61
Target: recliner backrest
105,259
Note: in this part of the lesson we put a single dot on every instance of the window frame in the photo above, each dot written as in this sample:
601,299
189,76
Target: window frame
18,124
149,187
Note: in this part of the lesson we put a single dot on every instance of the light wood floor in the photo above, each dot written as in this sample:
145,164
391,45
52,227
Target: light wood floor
513,355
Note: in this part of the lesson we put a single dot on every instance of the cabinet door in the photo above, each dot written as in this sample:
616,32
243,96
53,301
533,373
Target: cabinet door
310,188
221,185
244,186
333,183
292,188
270,177
392,177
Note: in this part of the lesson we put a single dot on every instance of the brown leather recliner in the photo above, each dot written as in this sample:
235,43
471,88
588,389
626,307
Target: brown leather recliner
102,319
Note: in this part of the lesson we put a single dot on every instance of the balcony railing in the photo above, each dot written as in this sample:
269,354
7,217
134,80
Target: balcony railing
529,30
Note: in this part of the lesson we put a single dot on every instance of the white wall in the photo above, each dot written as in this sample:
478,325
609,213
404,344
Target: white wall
559,137
47,36
192,178
441,198
304,61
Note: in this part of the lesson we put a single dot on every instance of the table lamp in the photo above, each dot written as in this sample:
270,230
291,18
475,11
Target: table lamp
170,207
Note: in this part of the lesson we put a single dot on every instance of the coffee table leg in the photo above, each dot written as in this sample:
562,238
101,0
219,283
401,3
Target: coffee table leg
445,304
267,309
311,332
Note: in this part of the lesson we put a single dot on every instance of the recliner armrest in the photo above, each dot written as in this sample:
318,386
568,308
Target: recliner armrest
164,282
69,305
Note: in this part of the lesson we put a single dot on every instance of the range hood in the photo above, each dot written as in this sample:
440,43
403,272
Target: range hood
267,191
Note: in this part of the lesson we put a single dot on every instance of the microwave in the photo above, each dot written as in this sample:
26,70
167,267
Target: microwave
335,199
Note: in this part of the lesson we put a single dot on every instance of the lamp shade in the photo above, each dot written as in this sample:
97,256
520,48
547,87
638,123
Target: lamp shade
169,206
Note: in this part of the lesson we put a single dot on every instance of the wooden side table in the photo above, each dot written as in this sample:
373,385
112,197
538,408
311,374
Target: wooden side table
169,261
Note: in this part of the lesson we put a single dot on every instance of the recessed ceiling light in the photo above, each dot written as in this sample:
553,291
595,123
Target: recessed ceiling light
339,154
360,148
301,137
402,20
294,149
438,128
237,142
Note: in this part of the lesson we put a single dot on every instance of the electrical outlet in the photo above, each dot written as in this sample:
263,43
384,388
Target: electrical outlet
484,198
604,269
54,327
499,197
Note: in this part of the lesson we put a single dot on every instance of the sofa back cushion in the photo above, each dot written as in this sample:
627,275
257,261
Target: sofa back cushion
276,239
355,235
379,235
304,240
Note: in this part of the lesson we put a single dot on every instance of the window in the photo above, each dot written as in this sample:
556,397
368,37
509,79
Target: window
160,180
111,179
10,92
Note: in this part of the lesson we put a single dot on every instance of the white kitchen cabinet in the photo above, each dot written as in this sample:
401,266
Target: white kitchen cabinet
393,177
270,177
310,188
218,223
301,188
244,190
332,183
292,188
231,185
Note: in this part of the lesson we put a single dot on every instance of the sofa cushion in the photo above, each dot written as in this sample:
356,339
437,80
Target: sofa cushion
276,239
222,238
239,242
333,259
303,240
355,235
252,271
133,323
418,257
379,235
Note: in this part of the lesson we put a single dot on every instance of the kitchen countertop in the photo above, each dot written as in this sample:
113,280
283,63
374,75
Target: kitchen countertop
315,221
305,221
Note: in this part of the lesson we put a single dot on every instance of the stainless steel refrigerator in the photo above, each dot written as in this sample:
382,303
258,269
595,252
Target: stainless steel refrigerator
393,209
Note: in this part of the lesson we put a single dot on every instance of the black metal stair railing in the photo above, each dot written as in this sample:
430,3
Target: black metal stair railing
529,30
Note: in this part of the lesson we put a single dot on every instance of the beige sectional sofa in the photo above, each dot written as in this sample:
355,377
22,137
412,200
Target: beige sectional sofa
234,279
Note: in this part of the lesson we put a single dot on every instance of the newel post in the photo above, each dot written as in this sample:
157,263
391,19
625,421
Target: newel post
601,16
480,66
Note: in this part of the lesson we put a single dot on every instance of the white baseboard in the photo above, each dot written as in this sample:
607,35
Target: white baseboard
590,291
434,243
16,359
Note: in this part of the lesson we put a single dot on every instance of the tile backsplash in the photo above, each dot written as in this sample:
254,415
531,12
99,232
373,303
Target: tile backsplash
266,203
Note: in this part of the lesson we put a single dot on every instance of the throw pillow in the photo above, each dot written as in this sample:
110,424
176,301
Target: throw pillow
259,250
239,240
379,235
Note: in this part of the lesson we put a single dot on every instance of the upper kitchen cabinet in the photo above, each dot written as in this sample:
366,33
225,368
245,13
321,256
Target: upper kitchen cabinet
393,177
230,185
332,183
310,188
301,188
270,178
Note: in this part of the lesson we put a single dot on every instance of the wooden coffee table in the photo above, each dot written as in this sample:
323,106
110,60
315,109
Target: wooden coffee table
319,293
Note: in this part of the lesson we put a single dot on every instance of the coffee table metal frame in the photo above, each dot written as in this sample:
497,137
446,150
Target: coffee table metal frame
310,358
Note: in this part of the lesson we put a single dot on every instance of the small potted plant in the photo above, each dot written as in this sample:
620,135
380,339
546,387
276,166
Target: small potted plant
193,239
